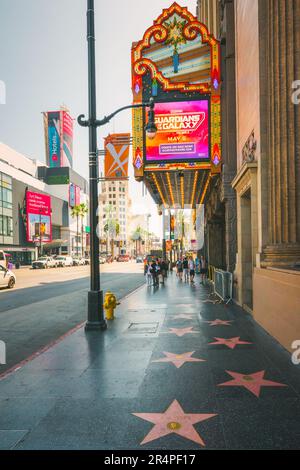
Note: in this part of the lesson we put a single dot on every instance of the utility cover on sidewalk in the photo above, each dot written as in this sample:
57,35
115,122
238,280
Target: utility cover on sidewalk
143,327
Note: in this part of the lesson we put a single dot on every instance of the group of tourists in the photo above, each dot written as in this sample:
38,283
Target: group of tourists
188,266
156,271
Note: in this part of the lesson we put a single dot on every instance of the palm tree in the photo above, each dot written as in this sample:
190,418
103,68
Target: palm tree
83,211
137,236
112,227
76,212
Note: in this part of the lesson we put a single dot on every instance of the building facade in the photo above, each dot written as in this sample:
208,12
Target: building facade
261,148
18,175
114,204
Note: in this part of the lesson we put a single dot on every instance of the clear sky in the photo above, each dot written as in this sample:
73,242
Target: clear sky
43,62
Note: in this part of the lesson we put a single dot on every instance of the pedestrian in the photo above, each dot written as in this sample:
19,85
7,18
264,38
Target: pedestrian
192,269
153,272
197,265
10,264
179,269
148,274
185,266
163,270
203,269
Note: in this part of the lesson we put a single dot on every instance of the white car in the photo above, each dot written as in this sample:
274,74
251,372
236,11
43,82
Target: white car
64,261
44,262
78,261
7,278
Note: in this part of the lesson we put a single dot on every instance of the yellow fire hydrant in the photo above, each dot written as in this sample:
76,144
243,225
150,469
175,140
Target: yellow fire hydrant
110,303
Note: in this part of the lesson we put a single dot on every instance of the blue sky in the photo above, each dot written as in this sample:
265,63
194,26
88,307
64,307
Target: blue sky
43,62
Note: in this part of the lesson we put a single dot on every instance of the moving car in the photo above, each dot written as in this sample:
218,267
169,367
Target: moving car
44,262
7,278
63,261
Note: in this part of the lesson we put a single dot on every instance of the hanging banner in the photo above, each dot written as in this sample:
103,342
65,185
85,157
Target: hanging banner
67,138
168,245
172,227
116,156
54,146
58,126
38,211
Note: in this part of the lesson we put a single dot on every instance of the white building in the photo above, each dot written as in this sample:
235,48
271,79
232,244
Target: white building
114,203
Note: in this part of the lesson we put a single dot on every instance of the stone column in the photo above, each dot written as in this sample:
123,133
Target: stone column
282,118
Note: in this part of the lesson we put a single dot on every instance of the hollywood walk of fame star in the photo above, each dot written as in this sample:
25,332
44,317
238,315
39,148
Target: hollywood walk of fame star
179,359
252,382
230,342
219,322
174,420
183,316
181,331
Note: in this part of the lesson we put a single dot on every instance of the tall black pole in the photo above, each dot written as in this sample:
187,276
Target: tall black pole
96,319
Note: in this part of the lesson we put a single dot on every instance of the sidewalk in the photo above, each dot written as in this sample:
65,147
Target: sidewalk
162,376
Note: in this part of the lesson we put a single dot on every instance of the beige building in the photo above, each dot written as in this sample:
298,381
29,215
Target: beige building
114,203
261,154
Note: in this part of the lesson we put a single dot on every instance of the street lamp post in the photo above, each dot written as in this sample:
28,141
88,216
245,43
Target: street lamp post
96,319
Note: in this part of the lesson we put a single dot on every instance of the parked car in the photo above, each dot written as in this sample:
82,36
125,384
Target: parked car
3,260
64,261
139,259
102,260
123,258
78,261
7,278
86,261
44,262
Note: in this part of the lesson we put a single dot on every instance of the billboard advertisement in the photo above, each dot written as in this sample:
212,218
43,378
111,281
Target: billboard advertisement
116,156
38,211
182,132
59,139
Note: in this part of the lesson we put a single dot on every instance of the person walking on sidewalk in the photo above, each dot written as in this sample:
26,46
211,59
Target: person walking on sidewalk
192,269
163,270
148,273
179,269
203,269
185,266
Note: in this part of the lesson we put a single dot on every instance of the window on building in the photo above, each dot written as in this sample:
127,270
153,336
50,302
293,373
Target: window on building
6,226
6,221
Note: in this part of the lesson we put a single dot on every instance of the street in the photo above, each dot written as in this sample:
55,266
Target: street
37,311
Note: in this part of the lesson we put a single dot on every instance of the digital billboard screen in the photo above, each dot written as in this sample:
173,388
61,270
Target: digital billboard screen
182,132
38,211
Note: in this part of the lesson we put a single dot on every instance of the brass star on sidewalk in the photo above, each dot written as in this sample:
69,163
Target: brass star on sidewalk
179,359
181,331
230,342
252,382
183,316
219,322
174,421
